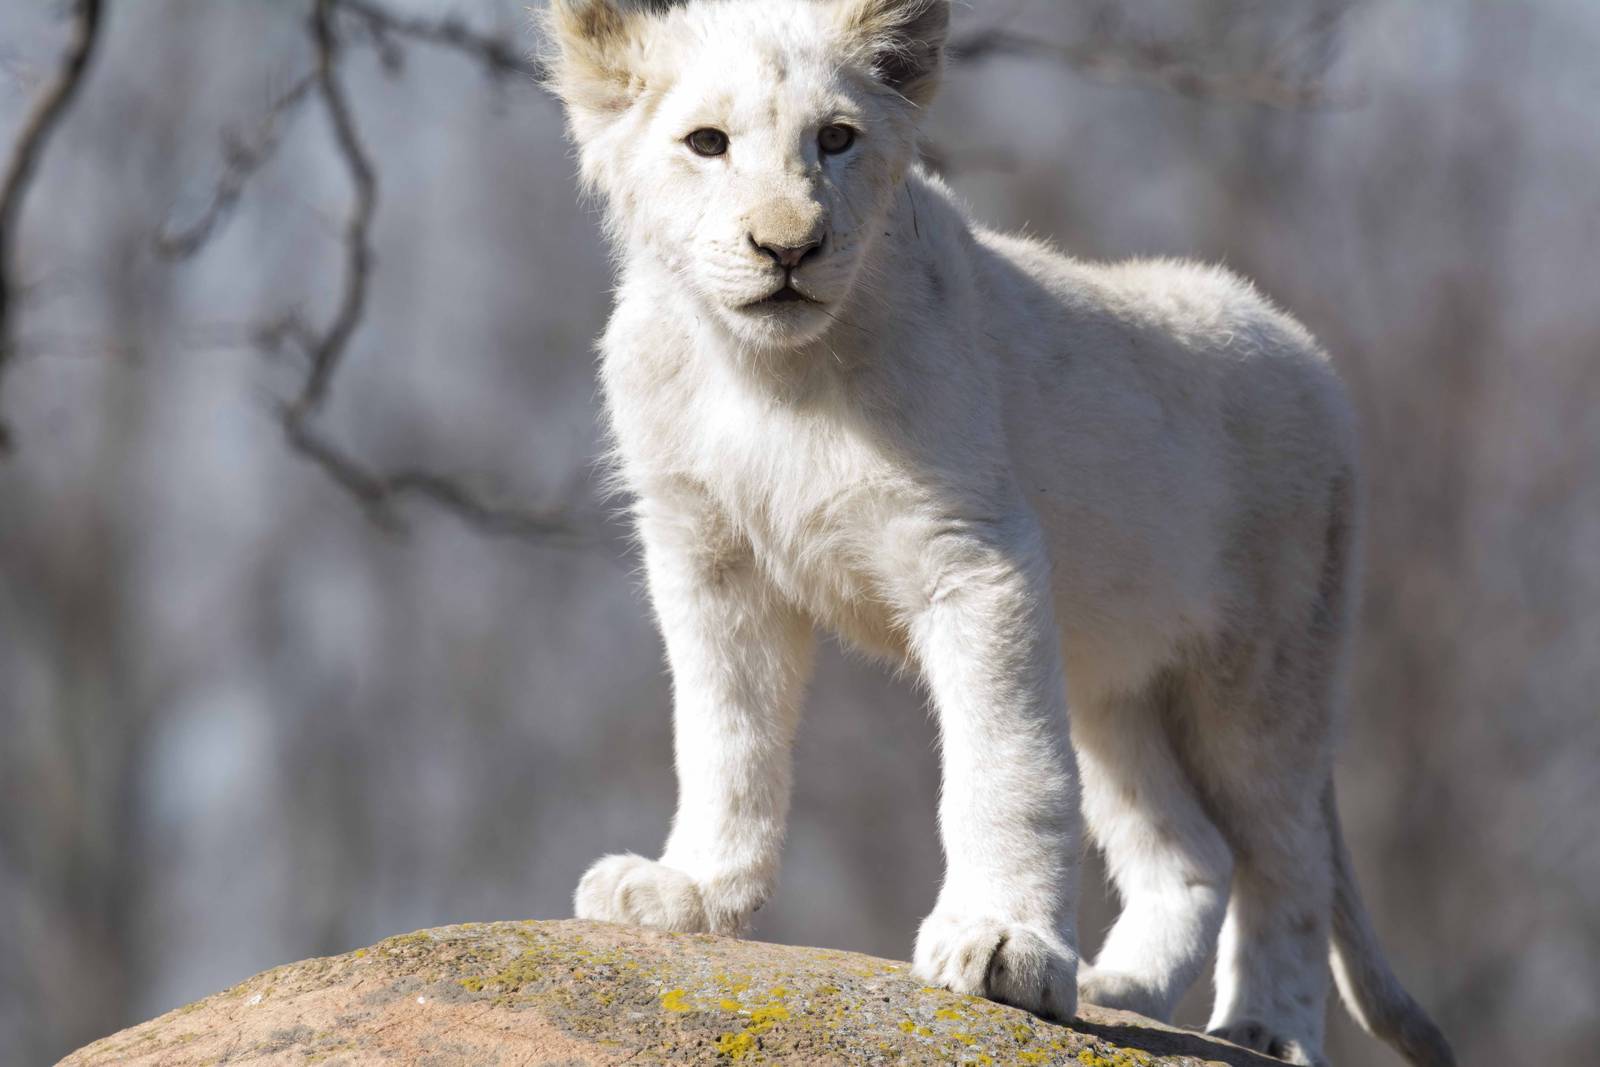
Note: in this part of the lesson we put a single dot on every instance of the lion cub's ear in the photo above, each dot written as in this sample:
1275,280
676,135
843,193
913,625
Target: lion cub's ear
903,40
593,54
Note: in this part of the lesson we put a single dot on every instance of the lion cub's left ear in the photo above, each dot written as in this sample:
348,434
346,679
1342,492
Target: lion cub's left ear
903,41
594,55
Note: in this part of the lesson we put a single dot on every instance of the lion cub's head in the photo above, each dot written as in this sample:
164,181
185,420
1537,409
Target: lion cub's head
753,146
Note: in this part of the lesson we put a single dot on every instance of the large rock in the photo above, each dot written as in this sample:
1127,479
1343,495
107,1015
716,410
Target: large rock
575,993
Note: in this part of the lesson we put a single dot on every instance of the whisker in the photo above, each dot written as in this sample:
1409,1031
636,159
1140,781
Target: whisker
846,322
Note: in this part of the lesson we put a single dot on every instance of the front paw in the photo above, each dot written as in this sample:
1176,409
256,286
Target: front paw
1028,967
640,892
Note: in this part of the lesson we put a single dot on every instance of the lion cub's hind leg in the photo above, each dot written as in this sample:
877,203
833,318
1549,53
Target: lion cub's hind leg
1170,864
1272,974
1259,747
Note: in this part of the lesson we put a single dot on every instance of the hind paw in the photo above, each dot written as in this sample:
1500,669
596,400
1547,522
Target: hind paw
1250,1034
1124,992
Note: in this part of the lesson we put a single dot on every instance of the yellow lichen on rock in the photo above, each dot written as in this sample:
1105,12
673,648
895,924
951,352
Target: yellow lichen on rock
736,1046
592,994
676,1000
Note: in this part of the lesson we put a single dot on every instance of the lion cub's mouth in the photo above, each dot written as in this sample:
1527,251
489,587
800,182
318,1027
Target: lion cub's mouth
787,295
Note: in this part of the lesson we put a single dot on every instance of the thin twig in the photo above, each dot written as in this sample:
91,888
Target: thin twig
498,56
36,130
241,160
378,493
1153,65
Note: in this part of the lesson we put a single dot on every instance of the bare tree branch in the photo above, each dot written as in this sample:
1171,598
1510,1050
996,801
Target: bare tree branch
329,349
1152,64
36,130
498,56
242,159
377,493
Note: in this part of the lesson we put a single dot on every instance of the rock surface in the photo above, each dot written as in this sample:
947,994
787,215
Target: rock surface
574,993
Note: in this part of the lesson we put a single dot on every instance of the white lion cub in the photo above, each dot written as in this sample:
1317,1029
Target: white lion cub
1040,483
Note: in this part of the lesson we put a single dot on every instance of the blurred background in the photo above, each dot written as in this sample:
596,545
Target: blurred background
250,714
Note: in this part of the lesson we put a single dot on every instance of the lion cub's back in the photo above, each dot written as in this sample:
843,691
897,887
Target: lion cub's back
1161,415
1151,352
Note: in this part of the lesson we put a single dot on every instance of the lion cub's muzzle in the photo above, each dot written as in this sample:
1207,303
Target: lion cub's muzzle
789,258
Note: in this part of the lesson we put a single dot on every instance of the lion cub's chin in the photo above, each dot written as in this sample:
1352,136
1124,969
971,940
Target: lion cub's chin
777,324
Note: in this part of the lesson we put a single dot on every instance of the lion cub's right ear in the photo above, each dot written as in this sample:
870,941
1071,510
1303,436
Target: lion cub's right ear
903,40
593,56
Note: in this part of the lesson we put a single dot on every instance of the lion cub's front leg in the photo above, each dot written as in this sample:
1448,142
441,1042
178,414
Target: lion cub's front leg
985,639
739,659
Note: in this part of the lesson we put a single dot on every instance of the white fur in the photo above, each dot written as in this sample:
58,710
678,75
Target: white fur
1032,481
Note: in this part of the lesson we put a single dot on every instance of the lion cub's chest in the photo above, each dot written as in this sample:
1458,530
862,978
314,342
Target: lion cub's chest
811,496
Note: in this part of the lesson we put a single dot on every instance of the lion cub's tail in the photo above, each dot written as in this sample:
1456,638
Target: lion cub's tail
1369,988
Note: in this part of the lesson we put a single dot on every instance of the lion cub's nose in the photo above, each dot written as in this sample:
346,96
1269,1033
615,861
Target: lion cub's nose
787,256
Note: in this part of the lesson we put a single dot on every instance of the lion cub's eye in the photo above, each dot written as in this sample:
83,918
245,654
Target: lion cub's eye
835,139
707,142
